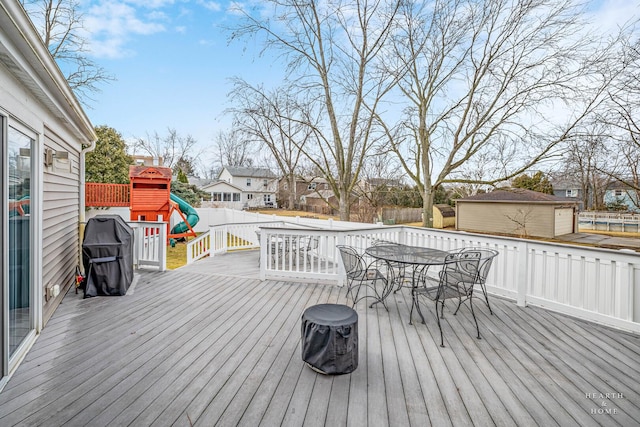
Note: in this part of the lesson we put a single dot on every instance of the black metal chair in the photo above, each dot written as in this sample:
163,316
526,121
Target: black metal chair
360,274
307,245
462,270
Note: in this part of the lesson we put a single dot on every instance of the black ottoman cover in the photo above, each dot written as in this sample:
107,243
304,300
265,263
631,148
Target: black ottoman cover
330,338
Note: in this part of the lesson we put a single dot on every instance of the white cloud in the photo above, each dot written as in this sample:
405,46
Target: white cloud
609,15
181,29
111,24
211,5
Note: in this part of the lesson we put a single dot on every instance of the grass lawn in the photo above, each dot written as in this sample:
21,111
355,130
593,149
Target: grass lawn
176,256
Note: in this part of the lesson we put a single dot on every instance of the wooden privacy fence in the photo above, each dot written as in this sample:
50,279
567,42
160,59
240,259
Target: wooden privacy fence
106,195
402,215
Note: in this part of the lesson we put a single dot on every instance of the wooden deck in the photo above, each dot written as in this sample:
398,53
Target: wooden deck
210,344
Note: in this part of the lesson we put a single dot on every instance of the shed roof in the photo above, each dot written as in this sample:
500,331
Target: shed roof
445,210
516,195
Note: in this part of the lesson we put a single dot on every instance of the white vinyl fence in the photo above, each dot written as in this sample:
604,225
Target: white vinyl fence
609,221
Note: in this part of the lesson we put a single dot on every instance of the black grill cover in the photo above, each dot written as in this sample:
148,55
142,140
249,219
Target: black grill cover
107,256
330,338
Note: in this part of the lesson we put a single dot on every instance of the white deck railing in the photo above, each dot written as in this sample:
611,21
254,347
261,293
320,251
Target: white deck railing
150,244
596,284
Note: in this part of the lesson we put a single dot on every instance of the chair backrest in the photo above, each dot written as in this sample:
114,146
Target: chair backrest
473,263
312,242
466,262
486,259
351,259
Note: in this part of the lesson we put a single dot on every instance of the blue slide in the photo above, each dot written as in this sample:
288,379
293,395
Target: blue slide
190,213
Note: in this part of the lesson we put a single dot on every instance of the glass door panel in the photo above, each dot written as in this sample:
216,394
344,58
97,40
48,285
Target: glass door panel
20,292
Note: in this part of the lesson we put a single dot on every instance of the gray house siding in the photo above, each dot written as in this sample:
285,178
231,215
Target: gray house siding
60,221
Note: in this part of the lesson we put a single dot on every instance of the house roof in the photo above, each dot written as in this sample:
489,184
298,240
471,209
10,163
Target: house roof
224,184
239,171
516,195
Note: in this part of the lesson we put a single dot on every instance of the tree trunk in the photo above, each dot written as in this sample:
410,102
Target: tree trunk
427,207
345,208
292,191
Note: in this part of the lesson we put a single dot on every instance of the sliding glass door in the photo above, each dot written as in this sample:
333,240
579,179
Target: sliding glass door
20,292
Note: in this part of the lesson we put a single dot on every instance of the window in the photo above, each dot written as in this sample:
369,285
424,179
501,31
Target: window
572,193
227,197
248,182
18,160
311,186
265,182
249,196
618,193
266,198
236,197
216,197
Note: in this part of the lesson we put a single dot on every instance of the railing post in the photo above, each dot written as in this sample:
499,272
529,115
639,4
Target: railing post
263,255
522,274
163,247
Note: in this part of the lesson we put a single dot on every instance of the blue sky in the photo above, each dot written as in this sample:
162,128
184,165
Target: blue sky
172,63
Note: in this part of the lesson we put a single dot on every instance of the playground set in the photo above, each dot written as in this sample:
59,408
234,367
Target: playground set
149,198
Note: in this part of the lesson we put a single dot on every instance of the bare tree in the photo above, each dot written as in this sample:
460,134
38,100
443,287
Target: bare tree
483,82
60,24
521,220
621,119
233,149
330,49
587,155
174,150
275,119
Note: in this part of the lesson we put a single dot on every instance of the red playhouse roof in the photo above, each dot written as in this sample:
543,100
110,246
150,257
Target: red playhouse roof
150,172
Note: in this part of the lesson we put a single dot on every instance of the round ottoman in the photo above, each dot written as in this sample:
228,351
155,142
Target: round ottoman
330,338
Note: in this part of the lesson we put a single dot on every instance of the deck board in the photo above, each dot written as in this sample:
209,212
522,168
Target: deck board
210,344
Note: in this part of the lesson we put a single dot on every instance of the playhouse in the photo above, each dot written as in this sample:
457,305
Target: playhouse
149,198
150,193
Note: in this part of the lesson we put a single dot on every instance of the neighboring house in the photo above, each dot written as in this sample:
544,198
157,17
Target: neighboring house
623,196
140,160
368,185
303,187
254,187
567,188
320,201
44,135
226,195
517,212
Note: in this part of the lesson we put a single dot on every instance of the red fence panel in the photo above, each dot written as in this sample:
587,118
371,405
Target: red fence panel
106,195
